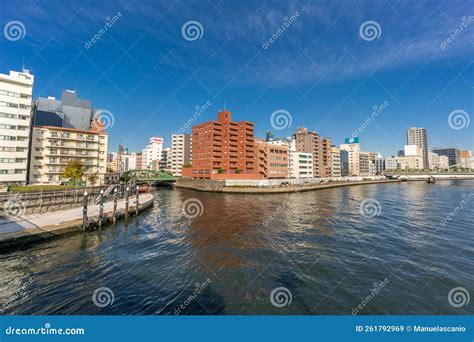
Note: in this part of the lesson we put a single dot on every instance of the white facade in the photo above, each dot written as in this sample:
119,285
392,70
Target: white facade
180,153
412,150
152,152
16,91
302,165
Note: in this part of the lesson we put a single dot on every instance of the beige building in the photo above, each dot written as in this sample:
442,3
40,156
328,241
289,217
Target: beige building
53,147
15,117
365,163
336,162
410,162
353,151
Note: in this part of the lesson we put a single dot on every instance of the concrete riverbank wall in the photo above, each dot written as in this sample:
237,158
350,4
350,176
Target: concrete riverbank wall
296,185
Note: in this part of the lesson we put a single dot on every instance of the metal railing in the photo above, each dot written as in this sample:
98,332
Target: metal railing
45,201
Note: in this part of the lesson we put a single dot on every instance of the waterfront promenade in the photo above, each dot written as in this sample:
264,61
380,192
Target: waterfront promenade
14,230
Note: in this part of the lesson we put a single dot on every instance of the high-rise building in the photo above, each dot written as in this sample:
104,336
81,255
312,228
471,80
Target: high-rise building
312,142
222,149
16,91
419,137
450,152
152,153
180,153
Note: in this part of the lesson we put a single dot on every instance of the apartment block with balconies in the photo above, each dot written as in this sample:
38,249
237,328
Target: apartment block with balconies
222,149
53,147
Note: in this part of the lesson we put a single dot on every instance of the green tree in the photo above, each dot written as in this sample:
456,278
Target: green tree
74,170
92,178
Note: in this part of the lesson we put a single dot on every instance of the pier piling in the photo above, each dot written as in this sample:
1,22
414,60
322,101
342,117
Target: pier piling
136,207
126,201
84,212
114,213
101,208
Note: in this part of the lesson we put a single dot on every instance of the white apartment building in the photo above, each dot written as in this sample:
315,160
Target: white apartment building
443,162
53,147
180,153
152,152
16,91
301,165
336,162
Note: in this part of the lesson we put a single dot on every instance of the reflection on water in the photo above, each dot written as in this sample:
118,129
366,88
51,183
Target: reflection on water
316,244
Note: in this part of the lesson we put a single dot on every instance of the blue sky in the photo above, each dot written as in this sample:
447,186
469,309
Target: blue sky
318,68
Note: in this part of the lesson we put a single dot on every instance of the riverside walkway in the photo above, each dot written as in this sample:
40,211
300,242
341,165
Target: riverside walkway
14,230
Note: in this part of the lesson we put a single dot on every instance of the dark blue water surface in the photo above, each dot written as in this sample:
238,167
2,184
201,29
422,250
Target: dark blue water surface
316,244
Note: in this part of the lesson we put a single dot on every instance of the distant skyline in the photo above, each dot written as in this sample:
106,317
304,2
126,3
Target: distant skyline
311,59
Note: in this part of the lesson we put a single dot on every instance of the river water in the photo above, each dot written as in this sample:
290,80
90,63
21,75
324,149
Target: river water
401,251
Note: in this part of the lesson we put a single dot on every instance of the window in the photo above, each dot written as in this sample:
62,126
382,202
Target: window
7,137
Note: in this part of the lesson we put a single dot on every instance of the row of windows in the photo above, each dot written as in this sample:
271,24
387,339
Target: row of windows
12,172
14,105
13,116
12,160
13,94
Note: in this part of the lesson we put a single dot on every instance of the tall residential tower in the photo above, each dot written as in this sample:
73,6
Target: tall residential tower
16,91
419,137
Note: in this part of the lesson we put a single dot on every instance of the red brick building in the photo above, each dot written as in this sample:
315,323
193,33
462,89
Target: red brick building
223,149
